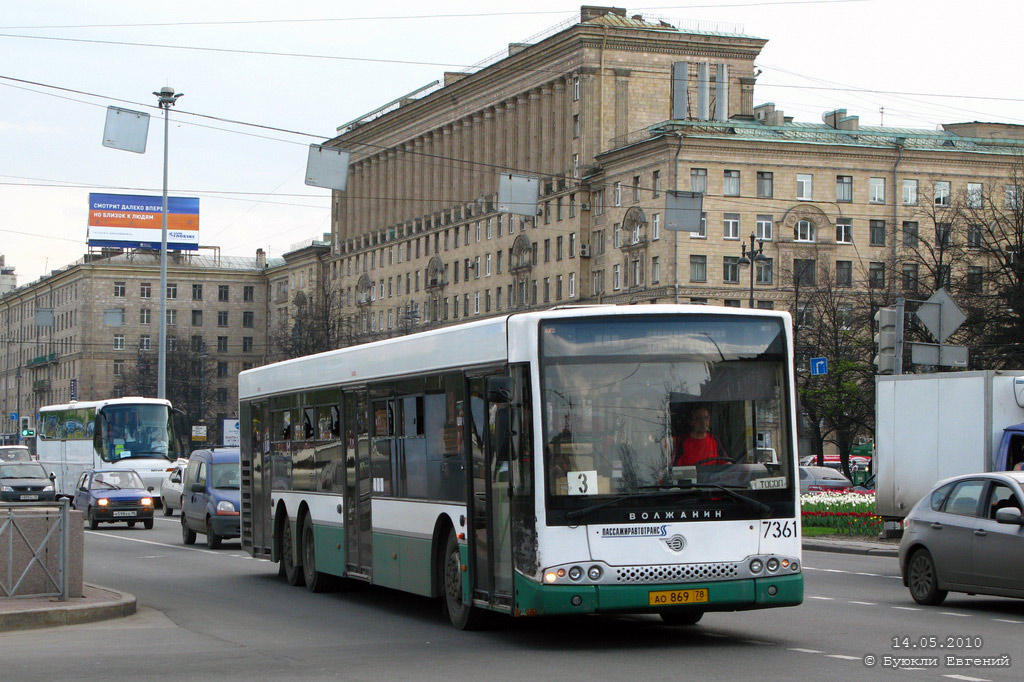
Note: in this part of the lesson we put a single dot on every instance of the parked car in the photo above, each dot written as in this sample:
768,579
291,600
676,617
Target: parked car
170,488
210,498
25,482
966,536
823,480
113,496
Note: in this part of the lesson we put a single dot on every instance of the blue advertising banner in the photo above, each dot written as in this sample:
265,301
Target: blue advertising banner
136,222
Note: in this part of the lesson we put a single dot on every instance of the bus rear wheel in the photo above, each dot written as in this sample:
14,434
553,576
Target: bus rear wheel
316,581
290,570
462,615
689,617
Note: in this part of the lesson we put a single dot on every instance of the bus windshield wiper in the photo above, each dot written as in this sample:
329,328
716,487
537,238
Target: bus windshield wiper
763,509
577,513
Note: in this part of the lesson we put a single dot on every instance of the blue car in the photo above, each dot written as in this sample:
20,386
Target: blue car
210,496
113,496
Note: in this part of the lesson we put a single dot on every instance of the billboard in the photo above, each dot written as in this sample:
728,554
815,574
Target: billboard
135,222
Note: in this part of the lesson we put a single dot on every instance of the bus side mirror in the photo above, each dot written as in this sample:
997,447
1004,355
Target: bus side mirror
499,390
97,434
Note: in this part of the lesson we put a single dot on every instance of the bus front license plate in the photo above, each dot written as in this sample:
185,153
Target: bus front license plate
125,513
674,597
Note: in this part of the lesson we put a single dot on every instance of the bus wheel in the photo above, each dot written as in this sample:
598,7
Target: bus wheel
315,580
292,572
688,617
463,616
188,536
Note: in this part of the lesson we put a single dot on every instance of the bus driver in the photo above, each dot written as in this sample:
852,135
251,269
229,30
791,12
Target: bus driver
698,445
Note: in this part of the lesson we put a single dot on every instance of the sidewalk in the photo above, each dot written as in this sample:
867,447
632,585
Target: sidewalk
97,603
842,545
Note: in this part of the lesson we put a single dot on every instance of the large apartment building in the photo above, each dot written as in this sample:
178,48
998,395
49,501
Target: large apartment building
89,322
610,111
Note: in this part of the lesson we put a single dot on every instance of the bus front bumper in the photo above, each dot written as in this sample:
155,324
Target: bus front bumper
534,599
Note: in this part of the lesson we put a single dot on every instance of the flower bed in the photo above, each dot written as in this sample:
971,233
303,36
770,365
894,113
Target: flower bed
841,513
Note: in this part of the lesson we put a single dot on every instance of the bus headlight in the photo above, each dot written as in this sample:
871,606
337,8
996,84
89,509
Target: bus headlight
756,565
575,573
594,573
773,565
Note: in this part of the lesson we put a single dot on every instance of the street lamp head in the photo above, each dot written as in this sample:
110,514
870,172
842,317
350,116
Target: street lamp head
167,97
743,261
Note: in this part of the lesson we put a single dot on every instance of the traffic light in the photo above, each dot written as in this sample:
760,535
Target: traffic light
888,339
26,428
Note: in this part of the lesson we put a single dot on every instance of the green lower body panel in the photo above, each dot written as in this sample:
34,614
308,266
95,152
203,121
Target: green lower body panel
534,599
402,563
329,543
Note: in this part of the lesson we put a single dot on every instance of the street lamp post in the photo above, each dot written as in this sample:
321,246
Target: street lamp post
166,98
751,257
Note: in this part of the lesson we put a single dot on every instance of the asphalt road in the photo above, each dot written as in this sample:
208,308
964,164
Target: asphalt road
221,615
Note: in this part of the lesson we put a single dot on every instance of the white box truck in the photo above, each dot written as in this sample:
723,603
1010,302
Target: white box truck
932,426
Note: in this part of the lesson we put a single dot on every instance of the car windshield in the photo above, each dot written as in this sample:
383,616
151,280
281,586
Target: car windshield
635,407
115,480
226,476
22,471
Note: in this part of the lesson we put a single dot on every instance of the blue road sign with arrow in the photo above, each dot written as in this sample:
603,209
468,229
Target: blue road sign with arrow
819,366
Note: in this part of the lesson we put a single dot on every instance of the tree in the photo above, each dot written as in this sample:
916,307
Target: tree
314,325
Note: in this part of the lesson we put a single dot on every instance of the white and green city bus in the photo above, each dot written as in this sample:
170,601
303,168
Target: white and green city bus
522,464
130,433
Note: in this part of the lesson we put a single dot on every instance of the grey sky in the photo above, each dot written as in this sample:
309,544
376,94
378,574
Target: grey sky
855,54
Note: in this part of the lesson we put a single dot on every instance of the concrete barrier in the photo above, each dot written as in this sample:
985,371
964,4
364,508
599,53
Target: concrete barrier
30,559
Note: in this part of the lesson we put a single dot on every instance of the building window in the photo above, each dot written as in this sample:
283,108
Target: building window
616,236
876,275
699,180
119,288
876,190
974,279
765,227
144,342
844,230
636,188
145,290
197,343
731,226
635,273
731,269
172,290
655,270
910,234
909,193
118,368
876,232
249,293
572,288
222,318
222,344
597,282
222,369
698,268
909,277
805,272
731,183
764,274
844,273
974,236
732,303
765,184
616,277
942,193
844,188
617,194
805,186
575,126
656,227
575,88
248,319
559,248
172,317
656,183
145,314
943,233
702,232
223,292
118,341
1011,197
975,195
804,231
575,165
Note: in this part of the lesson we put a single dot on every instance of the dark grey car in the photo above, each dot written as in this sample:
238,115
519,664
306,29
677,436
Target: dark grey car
25,482
966,535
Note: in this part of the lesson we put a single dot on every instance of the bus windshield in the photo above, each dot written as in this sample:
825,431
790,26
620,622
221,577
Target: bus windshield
139,430
642,406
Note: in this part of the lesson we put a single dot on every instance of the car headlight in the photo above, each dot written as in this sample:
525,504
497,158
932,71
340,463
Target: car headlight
48,488
103,502
6,488
225,506
146,501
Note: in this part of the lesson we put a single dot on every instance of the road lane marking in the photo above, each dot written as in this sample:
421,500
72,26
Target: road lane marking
906,608
164,544
1007,620
958,615
864,603
844,658
805,651
837,570
967,679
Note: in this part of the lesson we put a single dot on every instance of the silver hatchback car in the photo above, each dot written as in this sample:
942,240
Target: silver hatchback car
966,535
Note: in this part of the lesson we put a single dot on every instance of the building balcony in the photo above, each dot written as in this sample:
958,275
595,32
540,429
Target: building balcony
43,360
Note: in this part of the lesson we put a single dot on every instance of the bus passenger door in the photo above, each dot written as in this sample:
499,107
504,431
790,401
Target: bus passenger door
358,485
491,549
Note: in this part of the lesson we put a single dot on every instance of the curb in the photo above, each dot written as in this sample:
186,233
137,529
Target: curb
56,613
851,549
